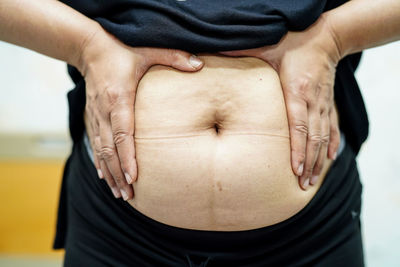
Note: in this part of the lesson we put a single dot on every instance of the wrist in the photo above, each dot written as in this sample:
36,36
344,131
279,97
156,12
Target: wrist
331,43
89,49
342,42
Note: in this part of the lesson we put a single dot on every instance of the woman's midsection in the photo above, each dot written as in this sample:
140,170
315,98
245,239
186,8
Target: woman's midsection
213,148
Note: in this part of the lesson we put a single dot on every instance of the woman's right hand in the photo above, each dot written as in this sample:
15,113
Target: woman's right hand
112,71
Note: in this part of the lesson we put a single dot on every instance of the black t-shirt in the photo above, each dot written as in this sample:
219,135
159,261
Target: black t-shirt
212,26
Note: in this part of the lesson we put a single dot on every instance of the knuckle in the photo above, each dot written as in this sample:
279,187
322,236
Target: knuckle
112,94
107,152
97,152
301,128
117,115
97,149
304,85
314,137
120,136
314,141
325,139
313,96
97,141
323,111
298,87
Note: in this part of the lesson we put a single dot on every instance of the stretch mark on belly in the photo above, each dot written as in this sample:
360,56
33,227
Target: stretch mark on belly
170,136
263,134
217,130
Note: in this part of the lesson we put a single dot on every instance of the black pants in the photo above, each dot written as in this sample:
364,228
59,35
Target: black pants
98,230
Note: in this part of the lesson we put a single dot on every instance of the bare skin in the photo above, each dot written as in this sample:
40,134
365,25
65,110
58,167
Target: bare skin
111,81
306,62
54,29
213,147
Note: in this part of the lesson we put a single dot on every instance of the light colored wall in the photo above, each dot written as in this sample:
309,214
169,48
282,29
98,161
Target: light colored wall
379,159
32,92
33,100
33,104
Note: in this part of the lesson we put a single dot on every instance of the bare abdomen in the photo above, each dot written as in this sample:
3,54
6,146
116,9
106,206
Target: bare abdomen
213,147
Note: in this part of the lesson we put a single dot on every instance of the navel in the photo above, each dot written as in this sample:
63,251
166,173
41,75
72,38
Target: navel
216,127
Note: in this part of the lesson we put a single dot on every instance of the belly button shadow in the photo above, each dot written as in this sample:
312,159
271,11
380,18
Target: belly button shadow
216,127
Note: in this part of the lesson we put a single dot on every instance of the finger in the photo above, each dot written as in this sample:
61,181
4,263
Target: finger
91,133
298,129
96,135
313,146
110,156
325,124
122,125
97,165
334,135
110,181
177,59
97,153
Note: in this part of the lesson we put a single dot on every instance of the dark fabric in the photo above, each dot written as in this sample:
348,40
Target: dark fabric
104,231
212,26
352,113
198,25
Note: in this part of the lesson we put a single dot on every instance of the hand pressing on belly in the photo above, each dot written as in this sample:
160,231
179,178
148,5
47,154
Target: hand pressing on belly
112,71
306,63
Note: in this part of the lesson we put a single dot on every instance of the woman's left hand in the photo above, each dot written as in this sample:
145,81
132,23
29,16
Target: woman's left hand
306,63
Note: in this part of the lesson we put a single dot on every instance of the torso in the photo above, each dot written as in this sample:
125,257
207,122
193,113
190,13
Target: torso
192,175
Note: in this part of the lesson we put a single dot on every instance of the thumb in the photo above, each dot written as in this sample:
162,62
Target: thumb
177,59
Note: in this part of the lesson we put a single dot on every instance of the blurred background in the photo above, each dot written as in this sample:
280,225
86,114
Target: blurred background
34,144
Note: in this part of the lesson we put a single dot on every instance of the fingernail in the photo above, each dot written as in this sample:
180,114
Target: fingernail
334,155
300,169
306,183
128,178
100,174
115,192
124,194
314,179
195,61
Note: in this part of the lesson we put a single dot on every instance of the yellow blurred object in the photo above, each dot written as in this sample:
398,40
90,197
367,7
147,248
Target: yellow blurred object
29,191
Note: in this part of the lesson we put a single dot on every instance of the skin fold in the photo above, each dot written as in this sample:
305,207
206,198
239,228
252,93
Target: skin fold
56,30
213,147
